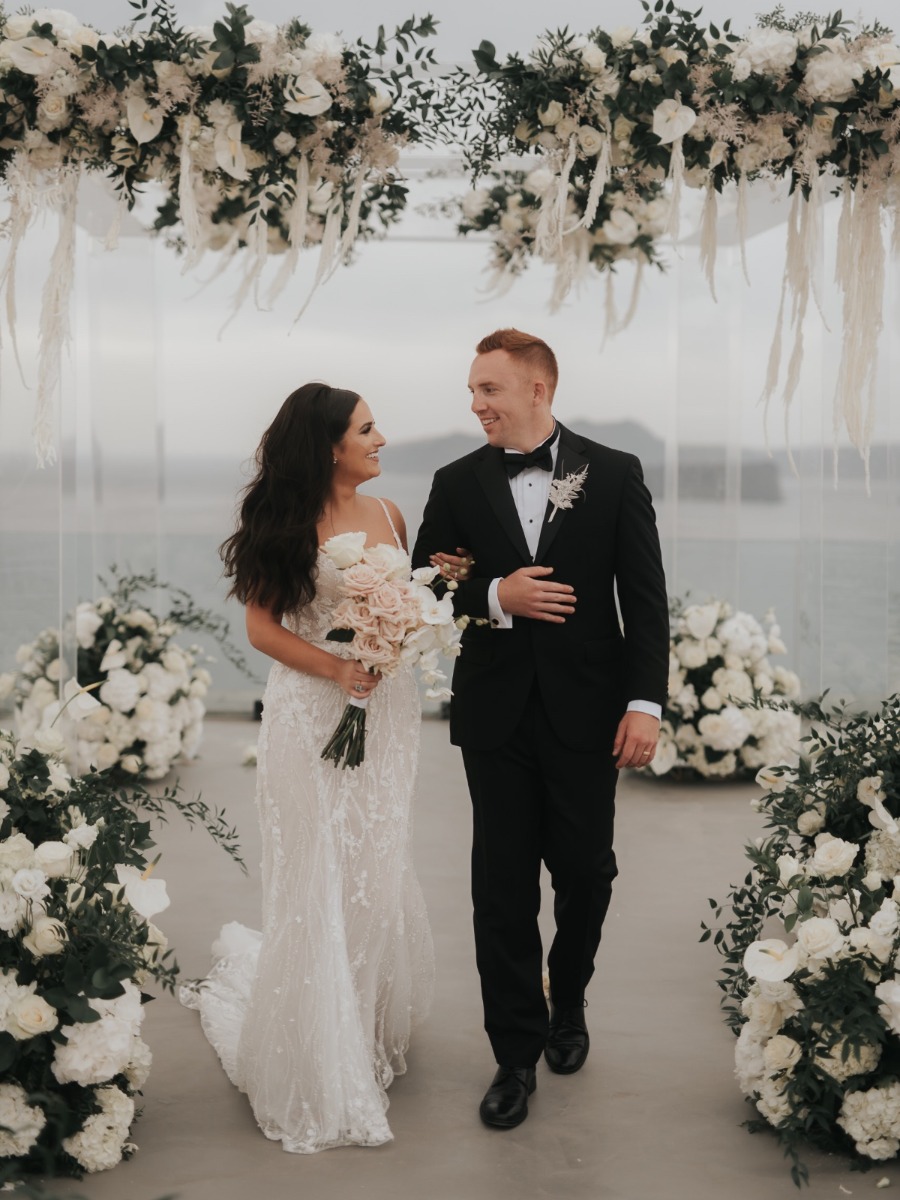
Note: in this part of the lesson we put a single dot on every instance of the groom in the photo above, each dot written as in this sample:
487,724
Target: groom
550,698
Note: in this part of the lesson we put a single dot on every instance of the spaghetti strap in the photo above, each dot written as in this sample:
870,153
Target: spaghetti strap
387,513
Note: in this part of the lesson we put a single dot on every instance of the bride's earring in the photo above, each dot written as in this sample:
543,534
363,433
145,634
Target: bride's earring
334,462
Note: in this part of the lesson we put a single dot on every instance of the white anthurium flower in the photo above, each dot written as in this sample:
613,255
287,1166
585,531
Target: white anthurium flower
77,703
672,120
145,895
145,120
307,96
114,658
30,55
771,960
229,151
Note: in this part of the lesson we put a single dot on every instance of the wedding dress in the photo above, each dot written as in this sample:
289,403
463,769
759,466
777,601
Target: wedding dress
312,1017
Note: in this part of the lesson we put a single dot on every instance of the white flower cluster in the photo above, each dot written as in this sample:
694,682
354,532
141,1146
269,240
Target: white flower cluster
173,116
718,662
59,907
151,697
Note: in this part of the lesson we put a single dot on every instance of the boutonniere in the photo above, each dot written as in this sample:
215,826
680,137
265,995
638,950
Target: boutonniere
564,492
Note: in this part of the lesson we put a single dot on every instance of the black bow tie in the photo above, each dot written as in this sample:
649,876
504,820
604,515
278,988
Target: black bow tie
539,457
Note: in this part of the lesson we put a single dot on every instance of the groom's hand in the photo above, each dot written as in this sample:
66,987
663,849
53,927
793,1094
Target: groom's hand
636,740
528,593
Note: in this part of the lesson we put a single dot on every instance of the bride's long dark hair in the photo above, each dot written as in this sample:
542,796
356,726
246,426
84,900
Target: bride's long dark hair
271,556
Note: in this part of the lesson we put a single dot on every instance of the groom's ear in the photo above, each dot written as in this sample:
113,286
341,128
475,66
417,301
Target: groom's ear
540,391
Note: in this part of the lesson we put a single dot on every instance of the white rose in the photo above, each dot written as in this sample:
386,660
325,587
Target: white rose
31,884
869,790
789,868
781,1053
47,936
82,837
16,852
4,778
872,881
622,229
552,114
888,993
52,112
590,140
53,858
593,58
131,763
711,699
29,1016
18,25
345,549
886,921
810,822
622,36
833,856
284,142
12,911
820,938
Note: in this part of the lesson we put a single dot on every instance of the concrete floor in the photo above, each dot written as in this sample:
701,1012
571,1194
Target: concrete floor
654,1115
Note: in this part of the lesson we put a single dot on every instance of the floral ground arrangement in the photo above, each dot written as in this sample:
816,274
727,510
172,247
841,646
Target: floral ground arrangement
77,945
811,938
718,666
150,689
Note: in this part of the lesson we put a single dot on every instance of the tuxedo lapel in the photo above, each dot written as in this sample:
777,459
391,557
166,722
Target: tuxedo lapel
569,459
495,482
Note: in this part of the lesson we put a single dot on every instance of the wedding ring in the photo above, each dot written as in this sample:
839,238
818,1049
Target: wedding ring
646,754
358,687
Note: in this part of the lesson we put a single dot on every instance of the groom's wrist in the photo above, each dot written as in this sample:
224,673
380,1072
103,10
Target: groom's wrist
499,619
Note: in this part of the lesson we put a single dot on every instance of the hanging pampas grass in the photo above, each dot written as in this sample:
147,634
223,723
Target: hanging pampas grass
863,288
676,179
548,235
709,239
297,223
54,322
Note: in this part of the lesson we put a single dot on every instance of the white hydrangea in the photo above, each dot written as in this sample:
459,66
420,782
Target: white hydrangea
724,730
121,690
96,1051
833,75
98,1145
872,1120
20,1122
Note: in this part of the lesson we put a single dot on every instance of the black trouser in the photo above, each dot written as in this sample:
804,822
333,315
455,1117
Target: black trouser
534,799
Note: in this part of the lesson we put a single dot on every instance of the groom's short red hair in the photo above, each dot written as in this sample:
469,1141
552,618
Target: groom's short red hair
531,350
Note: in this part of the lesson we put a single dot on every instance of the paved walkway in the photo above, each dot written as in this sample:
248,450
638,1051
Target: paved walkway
654,1115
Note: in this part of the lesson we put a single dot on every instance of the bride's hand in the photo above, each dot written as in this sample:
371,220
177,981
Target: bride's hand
454,566
354,679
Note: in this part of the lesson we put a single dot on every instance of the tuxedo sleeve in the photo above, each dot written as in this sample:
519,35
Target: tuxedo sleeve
440,532
641,588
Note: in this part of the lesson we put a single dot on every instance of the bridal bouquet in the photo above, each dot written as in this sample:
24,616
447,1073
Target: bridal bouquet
151,690
392,619
811,980
718,663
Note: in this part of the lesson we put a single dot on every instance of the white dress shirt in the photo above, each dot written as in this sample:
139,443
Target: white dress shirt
530,492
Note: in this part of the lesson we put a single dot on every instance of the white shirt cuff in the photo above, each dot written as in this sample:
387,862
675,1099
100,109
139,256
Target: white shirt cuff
646,706
499,619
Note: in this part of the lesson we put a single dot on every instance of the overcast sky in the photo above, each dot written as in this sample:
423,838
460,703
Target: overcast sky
401,323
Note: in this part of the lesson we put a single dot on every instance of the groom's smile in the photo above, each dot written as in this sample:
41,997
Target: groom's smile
510,401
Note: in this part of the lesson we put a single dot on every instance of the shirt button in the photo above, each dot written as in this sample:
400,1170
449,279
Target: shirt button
530,520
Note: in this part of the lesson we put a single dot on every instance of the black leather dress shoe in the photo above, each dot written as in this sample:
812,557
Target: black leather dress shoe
568,1040
505,1103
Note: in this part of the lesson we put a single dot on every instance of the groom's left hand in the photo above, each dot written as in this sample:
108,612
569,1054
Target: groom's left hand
636,740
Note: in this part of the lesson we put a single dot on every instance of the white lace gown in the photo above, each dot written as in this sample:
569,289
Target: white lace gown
312,1017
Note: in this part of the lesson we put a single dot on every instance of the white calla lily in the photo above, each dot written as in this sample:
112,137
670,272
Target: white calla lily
229,151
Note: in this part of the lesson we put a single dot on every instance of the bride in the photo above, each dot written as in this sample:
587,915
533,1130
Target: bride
312,1016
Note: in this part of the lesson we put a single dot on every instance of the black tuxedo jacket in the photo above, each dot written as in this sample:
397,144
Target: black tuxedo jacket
587,669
